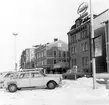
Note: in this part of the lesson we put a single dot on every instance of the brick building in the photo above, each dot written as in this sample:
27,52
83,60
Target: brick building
52,56
79,43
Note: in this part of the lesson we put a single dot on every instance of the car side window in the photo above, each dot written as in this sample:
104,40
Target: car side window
35,75
24,75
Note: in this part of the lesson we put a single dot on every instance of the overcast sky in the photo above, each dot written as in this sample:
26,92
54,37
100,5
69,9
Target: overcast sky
36,22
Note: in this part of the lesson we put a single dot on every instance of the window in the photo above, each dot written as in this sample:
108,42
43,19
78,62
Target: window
73,38
78,22
84,34
74,50
64,60
54,61
84,46
59,53
59,60
74,62
35,75
85,61
41,54
64,54
54,53
7,75
33,65
78,36
44,52
24,75
44,62
37,56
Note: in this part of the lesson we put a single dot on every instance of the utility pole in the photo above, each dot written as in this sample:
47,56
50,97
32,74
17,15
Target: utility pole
92,47
15,34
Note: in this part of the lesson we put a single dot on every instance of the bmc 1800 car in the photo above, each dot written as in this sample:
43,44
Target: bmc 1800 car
31,79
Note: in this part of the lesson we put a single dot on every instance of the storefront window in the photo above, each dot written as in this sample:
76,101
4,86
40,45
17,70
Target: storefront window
98,46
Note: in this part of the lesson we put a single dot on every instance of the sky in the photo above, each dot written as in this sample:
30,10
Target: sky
36,22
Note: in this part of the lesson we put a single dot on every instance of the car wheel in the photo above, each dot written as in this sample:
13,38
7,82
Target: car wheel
12,88
51,85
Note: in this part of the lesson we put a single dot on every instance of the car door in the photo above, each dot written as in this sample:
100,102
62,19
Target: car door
24,80
36,79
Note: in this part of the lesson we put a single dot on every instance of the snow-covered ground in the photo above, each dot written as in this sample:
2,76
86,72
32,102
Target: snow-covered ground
78,92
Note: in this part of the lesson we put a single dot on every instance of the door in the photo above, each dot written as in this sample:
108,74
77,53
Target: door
24,80
36,79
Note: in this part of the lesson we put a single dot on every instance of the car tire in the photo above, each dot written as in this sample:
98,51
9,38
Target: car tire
51,85
12,88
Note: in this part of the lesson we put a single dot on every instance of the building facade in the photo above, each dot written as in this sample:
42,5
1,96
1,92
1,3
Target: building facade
79,43
28,58
52,55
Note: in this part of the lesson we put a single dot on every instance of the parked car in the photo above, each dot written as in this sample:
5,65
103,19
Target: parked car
72,75
5,76
31,79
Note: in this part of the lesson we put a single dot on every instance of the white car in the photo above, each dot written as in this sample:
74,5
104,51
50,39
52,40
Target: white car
31,79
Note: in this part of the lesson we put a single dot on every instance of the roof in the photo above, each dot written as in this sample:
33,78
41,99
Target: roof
60,44
102,17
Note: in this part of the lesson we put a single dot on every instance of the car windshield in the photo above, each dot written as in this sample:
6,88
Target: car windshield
9,75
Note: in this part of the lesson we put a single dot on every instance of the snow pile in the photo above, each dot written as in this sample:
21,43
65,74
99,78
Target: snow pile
71,92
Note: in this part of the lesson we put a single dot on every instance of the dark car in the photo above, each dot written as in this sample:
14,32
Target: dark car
72,75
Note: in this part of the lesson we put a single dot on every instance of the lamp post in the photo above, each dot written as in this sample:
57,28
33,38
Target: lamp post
15,34
92,47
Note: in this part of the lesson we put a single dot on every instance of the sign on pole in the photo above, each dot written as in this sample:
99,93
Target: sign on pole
82,8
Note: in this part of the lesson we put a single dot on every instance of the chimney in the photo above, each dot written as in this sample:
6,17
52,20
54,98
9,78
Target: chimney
55,39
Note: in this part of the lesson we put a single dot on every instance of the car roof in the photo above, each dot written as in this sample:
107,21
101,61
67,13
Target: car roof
28,71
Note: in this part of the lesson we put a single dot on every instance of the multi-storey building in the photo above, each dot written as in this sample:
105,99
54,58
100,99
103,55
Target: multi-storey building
79,43
52,55
28,58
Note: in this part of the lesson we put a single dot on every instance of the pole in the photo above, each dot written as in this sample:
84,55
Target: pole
106,24
92,47
15,34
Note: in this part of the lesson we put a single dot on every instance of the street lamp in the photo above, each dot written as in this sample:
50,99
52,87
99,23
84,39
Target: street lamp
15,34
